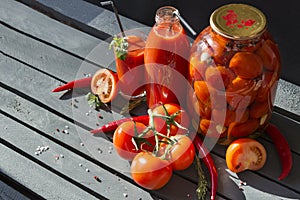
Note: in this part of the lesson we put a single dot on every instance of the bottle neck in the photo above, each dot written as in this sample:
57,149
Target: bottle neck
166,15
167,23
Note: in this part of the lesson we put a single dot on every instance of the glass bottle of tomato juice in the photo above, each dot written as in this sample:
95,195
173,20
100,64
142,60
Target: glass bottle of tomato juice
166,59
234,69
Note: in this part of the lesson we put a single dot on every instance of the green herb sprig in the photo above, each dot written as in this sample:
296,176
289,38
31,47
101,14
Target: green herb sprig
202,182
94,100
120,45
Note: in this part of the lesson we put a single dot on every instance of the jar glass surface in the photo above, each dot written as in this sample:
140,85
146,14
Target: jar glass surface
234,74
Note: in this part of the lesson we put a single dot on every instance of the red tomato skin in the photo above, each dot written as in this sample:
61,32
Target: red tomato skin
161,125
182,153
150,172
122,140
245,153
102,79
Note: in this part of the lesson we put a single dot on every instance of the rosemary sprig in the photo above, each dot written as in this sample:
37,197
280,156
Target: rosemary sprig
202,182
120,45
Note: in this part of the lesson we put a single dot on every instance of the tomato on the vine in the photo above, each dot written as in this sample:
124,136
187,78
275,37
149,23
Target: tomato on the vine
245,153
149,171
181,153
175,116
127,141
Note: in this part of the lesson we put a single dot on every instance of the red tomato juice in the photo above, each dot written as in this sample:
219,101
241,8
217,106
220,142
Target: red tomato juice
131,71
166,62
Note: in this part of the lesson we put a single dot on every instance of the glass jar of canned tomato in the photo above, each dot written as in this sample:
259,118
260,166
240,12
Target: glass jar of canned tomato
234,70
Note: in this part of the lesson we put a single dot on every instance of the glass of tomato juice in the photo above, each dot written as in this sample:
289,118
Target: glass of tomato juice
129,58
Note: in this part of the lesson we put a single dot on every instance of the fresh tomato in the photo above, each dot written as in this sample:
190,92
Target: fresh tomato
149,171
176,116
181,153
245,153
127,141
104,84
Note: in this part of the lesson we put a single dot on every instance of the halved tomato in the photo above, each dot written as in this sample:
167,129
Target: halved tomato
245,153
104,84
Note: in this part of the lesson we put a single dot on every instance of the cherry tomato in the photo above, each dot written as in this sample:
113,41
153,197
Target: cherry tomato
268,87
217,48
212,129
104,84
182,152
149,171
202,92
219,77
126,140
209,96
270,55
177,115
226,116
241,93
197,67
259,109
245,153
244,129
246,65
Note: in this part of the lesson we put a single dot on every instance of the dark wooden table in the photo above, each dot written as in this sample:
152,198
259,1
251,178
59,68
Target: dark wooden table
46,150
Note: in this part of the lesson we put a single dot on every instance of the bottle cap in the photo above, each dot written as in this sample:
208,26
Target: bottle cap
238,21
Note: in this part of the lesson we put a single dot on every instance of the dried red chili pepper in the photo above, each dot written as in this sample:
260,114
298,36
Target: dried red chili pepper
111,126
209,163
80,83
283,149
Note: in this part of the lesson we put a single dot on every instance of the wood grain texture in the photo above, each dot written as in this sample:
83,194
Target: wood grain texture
15,66
87,47
38,54
29,173
9,193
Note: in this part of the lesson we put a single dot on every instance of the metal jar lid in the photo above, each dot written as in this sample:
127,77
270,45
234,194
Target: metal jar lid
238,21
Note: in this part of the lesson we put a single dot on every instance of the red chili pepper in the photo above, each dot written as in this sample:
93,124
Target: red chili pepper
209,163
283,149
80,83
111,126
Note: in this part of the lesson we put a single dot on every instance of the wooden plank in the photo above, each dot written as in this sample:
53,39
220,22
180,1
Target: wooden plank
55,32
272,168
262,184
33,115
91,15
9,193
68,163
84,16
289,128
37,64
29,173
13,64
89,48
36,93
288,97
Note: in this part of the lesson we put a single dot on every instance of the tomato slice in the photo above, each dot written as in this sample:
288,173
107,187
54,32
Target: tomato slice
104,84
245,153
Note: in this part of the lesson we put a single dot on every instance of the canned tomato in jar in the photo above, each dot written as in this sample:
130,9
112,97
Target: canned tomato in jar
234,70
